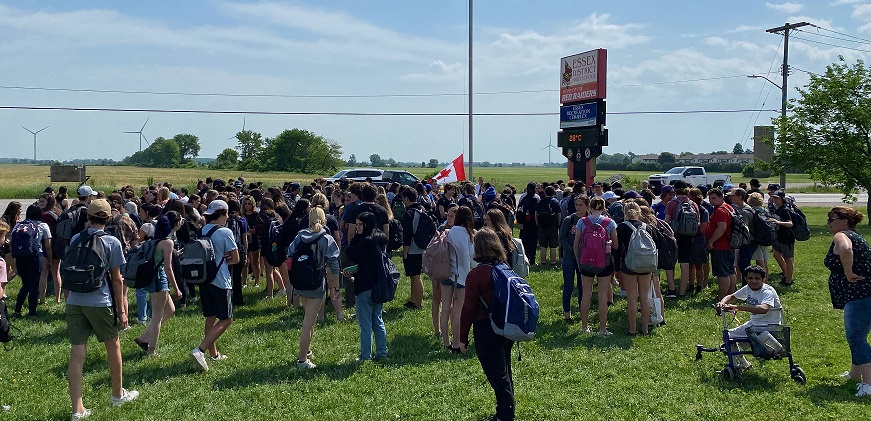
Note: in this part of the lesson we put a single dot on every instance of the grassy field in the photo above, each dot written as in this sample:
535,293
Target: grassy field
564,374
24,181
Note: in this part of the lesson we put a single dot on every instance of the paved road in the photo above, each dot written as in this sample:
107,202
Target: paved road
803,199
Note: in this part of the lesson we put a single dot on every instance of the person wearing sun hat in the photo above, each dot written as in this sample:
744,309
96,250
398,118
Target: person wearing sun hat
94,313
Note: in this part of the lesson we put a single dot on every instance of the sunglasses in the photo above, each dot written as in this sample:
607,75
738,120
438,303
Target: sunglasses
833,219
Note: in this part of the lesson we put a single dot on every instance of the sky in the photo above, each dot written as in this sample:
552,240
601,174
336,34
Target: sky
402,56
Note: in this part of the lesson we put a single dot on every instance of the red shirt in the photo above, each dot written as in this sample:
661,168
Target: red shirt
479,283
721,214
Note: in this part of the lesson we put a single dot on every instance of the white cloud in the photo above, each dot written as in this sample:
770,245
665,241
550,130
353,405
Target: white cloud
438,71
787,7
843,2
748,28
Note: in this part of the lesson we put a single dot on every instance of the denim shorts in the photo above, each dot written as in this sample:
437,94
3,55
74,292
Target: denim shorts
857,325
451,282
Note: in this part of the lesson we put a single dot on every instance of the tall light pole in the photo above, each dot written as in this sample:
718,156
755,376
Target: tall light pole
471,157
785,72
34,133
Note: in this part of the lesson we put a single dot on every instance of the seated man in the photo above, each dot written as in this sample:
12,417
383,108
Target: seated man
763,304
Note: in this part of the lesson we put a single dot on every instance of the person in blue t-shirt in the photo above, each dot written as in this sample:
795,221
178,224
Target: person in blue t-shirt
217,296
93,313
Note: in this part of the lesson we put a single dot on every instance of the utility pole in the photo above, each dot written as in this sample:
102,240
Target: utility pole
471,157
785,72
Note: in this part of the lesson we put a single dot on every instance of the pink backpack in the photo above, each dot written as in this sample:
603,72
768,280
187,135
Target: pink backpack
437,257
594,246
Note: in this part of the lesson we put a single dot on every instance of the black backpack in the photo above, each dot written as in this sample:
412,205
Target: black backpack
764,231
478,211
85,264
274,251
800,230
140,269
394,241
234,224
546,214
68,223
424,229
307,270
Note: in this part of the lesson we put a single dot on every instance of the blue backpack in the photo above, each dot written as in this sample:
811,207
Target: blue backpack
24,239
514,314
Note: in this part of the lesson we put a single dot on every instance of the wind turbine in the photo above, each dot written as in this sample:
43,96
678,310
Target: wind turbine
141,136
243,129
34,139
551,146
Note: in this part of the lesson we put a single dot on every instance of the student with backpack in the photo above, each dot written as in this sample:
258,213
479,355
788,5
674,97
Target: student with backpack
50,213
493,351
764,231
95,305
10,216
366,251
4,229
30,243
571,274
312,251
595,261
638,259
547,218
453,289
216,294
418,229
784,247
471,201
239,226
516,260
269,226
525,215
162,304
683,216
319,200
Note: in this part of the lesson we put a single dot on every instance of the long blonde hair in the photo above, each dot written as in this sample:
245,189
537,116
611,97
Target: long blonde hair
316,219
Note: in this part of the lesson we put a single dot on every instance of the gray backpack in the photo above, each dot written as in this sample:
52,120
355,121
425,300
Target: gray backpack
686,219
198,262
641,254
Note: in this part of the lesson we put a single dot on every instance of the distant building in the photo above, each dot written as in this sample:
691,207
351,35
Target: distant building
700,159
647,159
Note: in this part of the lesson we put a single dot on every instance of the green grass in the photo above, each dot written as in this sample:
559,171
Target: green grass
564,375
25,181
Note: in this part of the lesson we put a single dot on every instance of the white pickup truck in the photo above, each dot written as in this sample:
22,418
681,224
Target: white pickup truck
693,176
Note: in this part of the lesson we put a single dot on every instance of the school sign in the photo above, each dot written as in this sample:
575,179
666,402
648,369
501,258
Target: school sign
583,76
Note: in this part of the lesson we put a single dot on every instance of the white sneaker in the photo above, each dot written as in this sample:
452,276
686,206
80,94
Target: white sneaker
846,375
864,390
305,365
199,359
126,396
81,415
219,357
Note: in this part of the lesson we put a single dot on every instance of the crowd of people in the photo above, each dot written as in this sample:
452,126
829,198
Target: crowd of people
333,233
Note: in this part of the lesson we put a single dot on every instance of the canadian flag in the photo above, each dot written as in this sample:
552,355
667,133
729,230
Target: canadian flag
455,171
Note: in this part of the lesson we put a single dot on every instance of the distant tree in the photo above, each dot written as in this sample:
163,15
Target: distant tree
188,145
666,158
375,160
685,153
352,161
228,159
827,133
162,153
250,146
748,151
390,162
302,151
719,152
737,149
433,163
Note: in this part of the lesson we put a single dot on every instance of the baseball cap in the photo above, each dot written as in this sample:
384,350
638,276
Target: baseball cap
99,208
237,184
666,189
427,186
737,191
294,186
597,184
631,194
774,186
216,205
727,187
780,193
609,195
85,191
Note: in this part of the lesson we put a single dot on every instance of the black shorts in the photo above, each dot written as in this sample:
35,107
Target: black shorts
684,248
607,272
217,302
413,264
722,262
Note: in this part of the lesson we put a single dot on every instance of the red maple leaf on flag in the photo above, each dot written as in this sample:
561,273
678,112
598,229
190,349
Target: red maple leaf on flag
443,173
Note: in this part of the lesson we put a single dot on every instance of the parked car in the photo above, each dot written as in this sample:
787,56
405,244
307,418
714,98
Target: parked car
690,175
379,177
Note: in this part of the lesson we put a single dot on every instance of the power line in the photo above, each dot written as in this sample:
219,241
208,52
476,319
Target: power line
218,94
334,113
753,120
833,45
840,33
831,37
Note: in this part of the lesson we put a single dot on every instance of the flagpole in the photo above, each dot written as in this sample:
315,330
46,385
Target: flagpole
471,161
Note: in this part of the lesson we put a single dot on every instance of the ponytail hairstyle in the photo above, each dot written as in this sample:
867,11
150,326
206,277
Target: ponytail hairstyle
316,220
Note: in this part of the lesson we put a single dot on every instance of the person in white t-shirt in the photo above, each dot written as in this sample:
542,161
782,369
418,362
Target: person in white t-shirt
763,304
